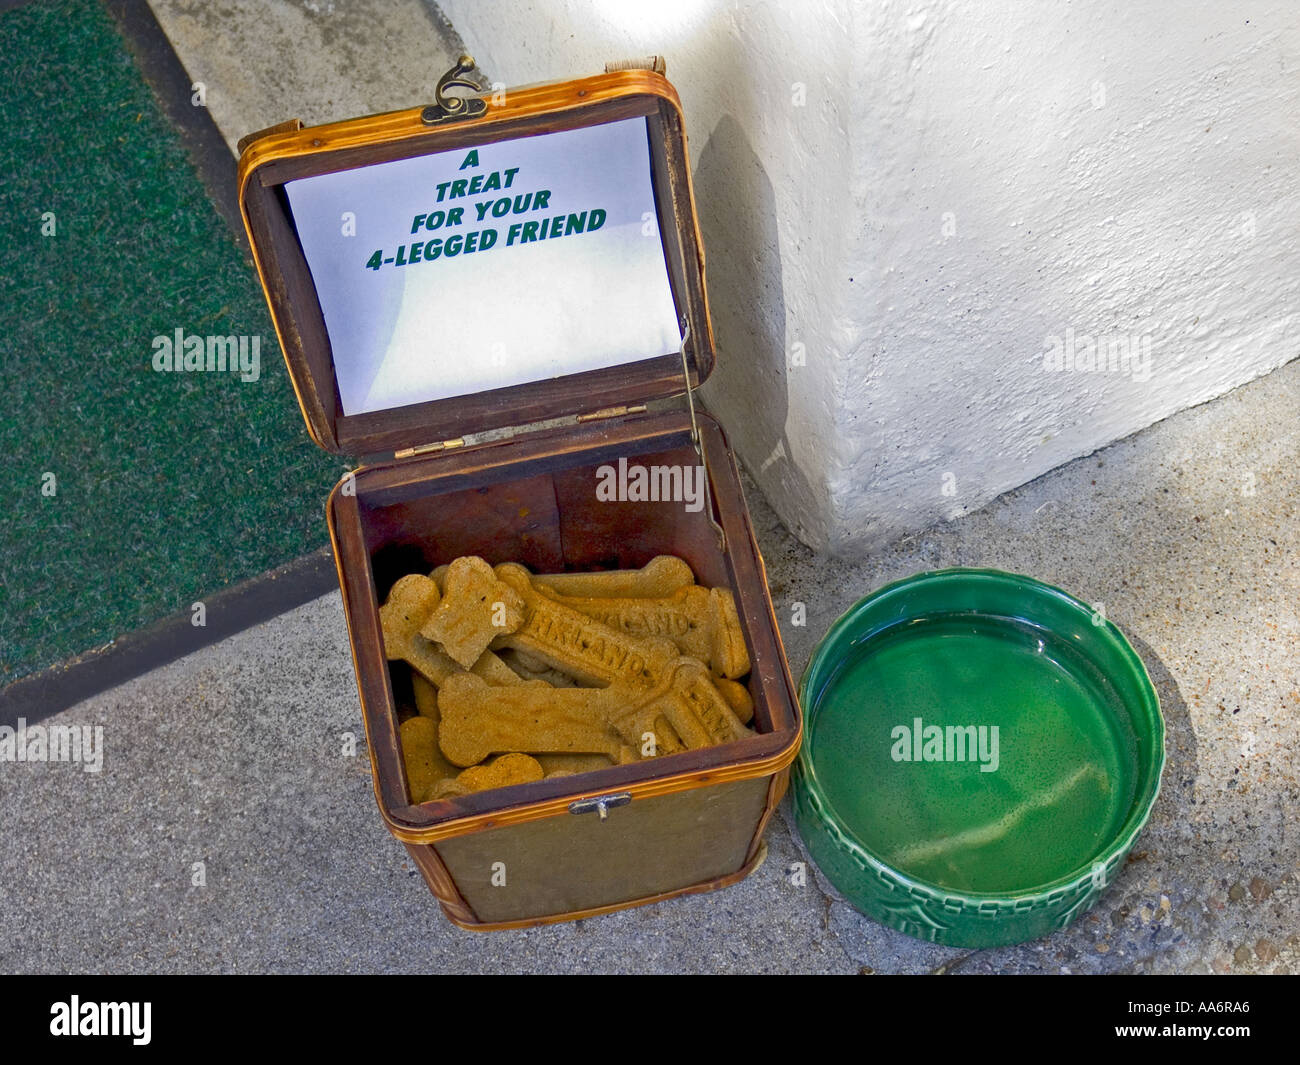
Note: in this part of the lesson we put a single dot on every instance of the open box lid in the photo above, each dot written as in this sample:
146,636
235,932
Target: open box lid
564,286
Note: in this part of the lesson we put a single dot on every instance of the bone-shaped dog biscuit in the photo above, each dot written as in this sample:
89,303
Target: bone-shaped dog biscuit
736,694
474,608
499,773
530,668
410,604
426,696
479,720
659,577
701,622
567,765
587,650
728,655
423,759
490,667
426,702
694,688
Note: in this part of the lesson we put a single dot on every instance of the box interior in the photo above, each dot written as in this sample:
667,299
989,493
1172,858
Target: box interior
551,521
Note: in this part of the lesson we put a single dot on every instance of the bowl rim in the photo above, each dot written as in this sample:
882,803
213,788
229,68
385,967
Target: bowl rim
1067,886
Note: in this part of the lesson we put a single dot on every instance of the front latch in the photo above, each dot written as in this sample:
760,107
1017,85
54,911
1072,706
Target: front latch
602,804
453,108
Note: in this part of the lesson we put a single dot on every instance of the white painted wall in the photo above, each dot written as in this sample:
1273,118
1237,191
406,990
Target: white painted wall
954,184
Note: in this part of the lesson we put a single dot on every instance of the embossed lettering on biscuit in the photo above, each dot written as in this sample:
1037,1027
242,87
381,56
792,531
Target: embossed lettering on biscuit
598,655
701,622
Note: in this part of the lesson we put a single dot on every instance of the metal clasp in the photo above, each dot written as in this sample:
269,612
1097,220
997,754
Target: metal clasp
601,804
447,108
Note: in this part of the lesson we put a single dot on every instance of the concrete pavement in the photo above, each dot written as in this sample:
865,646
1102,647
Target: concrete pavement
234,757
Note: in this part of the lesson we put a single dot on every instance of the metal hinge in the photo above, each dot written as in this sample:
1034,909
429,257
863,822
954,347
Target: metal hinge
601,804
425,449
611,412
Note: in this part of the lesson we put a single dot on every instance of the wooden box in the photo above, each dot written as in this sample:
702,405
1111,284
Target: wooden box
571,846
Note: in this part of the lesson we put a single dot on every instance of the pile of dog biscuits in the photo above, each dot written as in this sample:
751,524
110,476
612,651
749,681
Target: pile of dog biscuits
518,677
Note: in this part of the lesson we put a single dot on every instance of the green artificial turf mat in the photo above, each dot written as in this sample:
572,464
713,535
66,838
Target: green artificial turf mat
168,486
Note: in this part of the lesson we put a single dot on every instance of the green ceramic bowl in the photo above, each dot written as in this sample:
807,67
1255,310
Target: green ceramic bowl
980,752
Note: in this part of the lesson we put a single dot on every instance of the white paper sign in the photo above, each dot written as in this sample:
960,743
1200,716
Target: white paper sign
473,269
